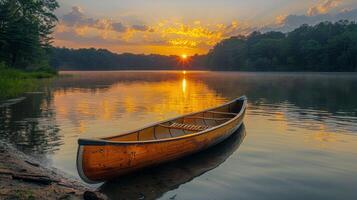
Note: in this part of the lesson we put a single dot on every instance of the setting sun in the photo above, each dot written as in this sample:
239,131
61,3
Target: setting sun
184,56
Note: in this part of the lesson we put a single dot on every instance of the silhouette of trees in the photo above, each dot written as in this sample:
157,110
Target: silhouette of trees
324,47
102,59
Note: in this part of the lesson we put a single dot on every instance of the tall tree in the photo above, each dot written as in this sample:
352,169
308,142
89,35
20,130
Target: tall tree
25,31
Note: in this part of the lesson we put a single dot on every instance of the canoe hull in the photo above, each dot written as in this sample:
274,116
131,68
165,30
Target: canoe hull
104,162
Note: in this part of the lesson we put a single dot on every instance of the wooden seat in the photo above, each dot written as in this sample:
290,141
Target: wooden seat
189,127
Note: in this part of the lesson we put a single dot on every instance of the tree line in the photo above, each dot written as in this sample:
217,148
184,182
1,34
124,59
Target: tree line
102,59
324,47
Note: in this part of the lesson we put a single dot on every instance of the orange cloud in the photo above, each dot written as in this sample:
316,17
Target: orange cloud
323,7
164,37
280,20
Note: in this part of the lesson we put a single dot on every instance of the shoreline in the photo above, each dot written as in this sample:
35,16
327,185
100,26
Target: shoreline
22,177
15,82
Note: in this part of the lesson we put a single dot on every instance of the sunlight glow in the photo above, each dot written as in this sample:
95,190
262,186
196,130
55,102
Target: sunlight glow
184,85
184,56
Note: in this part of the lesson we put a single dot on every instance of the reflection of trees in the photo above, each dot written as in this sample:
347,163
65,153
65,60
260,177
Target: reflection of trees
154,182
315,91
30,125
104,79
303,98
321,92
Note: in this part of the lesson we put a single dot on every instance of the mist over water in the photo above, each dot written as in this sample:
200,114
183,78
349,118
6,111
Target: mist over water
299,138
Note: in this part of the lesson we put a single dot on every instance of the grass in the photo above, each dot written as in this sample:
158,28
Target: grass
16,82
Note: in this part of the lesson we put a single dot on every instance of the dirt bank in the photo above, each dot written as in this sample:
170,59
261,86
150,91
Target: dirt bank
23,178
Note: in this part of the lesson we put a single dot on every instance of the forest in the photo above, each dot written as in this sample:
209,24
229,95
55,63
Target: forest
102,59
324,47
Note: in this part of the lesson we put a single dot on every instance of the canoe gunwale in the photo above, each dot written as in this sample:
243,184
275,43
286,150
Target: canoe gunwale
105,141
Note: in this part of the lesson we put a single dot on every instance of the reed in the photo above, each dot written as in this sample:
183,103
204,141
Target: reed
16,82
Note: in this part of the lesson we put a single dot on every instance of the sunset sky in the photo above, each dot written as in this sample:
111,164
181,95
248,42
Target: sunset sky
176,27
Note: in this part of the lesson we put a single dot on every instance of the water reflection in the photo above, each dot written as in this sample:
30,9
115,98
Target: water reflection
94,104
302,124
128,103
184,85
30,125
312,100
154,182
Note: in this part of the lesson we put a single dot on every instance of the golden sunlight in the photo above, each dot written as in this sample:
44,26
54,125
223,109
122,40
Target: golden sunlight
184,56
184,85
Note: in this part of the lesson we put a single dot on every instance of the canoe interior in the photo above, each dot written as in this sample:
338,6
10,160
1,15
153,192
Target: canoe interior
181,126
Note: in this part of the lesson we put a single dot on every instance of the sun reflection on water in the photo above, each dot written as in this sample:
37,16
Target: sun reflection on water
184,85
128,105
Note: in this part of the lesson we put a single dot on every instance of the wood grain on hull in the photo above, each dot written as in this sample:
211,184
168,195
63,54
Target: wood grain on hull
106,161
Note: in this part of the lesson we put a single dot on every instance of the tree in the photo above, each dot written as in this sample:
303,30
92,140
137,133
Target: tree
324,47
25,31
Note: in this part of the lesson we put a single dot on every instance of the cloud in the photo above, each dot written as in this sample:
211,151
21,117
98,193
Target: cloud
174,36
76,17
279,20
88,40
315,15
290,22
77,23
77,27
140,27
119,27
323,7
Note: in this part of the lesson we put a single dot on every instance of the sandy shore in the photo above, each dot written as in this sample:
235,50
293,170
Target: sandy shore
21,177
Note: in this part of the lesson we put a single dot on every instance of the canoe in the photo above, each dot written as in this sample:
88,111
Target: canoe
103,159
153,183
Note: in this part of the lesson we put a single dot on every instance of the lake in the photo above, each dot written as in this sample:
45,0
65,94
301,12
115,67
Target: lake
298,141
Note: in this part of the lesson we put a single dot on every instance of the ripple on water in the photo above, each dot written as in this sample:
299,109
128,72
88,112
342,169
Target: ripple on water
311,119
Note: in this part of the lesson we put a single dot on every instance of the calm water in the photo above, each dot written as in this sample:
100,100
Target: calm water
299,139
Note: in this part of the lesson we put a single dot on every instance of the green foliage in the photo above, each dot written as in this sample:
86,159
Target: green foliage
14,82
25,32
323,47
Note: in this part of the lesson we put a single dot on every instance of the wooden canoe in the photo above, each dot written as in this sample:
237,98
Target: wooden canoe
103,159
156,181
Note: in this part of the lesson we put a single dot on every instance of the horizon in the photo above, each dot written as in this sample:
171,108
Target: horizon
183,27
